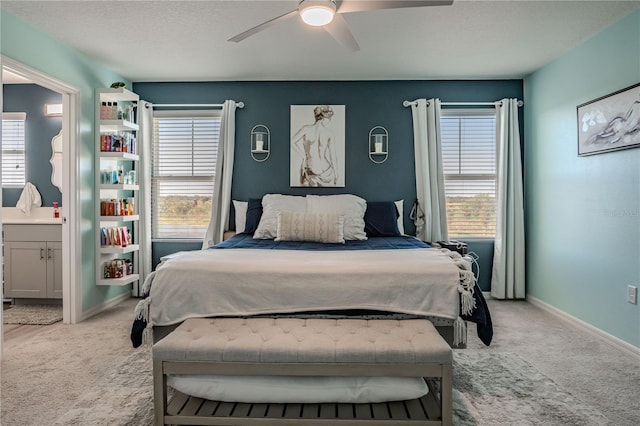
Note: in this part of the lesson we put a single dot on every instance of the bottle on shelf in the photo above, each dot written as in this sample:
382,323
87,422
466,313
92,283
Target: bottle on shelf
56,209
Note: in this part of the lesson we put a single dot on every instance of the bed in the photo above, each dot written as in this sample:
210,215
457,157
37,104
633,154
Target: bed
316,257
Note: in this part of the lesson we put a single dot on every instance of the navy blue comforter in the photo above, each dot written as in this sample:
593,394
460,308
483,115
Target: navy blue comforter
246,241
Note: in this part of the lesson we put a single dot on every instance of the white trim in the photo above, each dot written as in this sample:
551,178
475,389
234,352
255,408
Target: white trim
105,306
14,115
71,197
468,112
608,338
199,113
1,231
71,238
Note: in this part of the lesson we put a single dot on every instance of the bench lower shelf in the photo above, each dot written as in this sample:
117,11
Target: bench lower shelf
185,409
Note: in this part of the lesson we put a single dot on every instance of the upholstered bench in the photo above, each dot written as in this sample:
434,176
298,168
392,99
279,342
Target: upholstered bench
304,347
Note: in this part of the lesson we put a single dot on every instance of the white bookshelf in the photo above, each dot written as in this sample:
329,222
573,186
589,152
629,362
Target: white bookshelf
122,131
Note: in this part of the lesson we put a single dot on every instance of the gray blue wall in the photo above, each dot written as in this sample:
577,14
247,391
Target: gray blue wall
39,130
583,213
368,104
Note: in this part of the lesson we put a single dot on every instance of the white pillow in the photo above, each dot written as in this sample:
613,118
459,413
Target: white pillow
351,206
400,207
299,389
316,227
241,215
271,205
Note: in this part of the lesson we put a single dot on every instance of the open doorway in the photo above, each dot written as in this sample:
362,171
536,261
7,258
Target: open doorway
71,290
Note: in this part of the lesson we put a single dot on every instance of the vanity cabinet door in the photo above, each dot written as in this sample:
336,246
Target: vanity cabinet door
25,269
54,270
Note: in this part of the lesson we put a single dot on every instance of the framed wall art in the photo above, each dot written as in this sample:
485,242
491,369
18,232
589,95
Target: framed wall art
317,146
610,123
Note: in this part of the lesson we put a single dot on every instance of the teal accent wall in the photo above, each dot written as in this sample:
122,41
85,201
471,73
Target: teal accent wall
483,250
583,213
29,46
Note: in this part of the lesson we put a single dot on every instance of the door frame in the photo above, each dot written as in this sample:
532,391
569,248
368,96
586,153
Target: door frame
71,235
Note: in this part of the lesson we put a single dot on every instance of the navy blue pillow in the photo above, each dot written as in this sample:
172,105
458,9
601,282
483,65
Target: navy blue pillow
254,213
381,219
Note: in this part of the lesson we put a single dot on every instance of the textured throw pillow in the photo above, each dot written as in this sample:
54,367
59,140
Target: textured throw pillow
351,206
240,208
316,227
254,213
381,219
271,205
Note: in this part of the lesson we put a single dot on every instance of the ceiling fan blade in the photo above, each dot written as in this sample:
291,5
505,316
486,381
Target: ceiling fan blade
263,26
339,29
348,6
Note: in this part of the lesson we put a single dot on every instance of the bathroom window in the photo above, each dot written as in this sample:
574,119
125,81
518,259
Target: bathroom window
13,151
185,149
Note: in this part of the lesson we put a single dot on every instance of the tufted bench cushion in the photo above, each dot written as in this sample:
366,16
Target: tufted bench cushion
294,340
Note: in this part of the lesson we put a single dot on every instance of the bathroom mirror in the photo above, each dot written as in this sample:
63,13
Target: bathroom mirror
56,160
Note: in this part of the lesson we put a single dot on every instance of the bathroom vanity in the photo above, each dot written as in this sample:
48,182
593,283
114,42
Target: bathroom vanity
32,254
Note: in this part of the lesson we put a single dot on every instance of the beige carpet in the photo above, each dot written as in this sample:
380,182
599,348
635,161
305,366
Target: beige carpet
88,374
489,389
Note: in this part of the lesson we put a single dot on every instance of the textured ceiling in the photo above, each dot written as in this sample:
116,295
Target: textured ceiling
186,40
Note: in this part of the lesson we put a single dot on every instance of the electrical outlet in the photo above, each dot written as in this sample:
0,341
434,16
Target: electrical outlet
632,294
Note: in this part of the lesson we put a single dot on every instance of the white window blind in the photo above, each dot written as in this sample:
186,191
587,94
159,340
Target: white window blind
13,149
185,148
469,164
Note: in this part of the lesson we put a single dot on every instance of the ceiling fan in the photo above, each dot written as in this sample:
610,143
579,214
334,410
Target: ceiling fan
328,15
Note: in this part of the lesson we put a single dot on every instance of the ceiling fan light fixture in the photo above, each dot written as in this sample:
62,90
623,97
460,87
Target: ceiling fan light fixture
317,13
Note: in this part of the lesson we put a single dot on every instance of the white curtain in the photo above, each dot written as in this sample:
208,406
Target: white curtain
507,280
145,140
430,214
221,201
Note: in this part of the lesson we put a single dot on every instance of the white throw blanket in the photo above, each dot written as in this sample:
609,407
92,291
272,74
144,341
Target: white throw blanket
248,282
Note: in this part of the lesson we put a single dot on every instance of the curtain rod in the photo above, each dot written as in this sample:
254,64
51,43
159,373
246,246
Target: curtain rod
238,104
409,103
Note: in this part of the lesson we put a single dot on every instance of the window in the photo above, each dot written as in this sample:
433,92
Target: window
469,164
185,148
13,152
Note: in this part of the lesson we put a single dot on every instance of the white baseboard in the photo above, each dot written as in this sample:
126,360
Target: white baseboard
104,306
608,338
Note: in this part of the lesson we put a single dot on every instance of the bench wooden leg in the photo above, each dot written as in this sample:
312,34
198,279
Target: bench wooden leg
446,394
159,393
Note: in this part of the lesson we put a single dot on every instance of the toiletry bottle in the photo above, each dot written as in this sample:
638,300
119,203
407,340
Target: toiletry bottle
56,210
